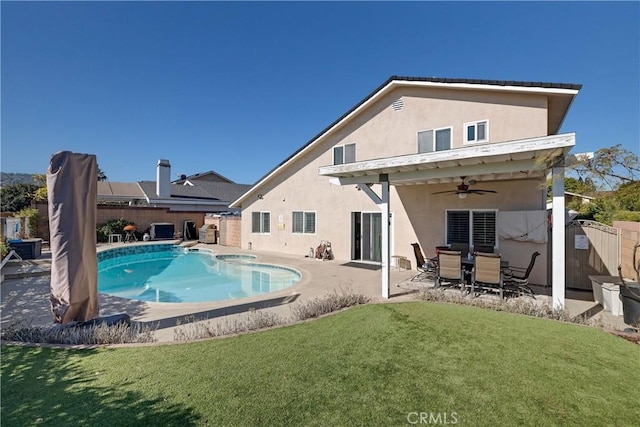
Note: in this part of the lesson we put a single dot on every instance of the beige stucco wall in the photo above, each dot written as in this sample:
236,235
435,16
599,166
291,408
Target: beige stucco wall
629,237
417,215
142,216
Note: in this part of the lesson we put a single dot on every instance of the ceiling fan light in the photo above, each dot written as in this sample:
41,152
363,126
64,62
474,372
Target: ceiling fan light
462,195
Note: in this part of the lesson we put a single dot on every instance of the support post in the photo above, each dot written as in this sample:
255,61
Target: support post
558,239
386,227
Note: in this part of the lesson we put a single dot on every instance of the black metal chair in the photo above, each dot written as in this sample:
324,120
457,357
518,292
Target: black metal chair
428,268
517,278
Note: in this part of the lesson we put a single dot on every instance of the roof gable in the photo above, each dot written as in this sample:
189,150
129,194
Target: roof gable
560,98
203,176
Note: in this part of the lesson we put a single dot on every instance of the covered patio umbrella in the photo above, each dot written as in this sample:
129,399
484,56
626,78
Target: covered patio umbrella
72,192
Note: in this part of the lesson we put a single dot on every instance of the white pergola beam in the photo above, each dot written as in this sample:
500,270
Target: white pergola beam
558,240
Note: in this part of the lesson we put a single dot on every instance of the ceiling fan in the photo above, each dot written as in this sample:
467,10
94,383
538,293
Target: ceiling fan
463,189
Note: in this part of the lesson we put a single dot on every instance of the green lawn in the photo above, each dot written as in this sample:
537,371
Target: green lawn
370,365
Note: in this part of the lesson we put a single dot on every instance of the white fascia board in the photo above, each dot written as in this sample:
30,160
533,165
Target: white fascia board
494,88
188,202
112,197
496,149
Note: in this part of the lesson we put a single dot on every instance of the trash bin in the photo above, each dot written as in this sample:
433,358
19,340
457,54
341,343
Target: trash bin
630,303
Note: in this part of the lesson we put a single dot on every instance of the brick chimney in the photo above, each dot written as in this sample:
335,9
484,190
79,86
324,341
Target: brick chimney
163,180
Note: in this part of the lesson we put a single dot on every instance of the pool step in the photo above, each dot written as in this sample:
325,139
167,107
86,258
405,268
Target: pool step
27,268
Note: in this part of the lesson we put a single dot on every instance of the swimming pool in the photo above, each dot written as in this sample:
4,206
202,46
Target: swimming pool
166,273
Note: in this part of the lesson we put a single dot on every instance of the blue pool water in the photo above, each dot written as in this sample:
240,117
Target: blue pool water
165,273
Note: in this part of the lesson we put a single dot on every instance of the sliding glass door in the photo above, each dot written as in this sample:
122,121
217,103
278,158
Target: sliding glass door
366,236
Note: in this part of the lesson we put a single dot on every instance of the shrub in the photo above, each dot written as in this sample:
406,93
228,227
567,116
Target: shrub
632,216
31,215
4,248
120,333
516,306
261,319
327,304
253,321
114,226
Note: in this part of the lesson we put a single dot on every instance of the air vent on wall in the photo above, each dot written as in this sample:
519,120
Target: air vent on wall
398,104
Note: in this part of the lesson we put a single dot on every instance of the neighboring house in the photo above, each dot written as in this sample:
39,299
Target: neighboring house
209,176
570,197
407,140
195,193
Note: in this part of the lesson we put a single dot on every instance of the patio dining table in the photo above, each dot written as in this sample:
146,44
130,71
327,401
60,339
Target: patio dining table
468,263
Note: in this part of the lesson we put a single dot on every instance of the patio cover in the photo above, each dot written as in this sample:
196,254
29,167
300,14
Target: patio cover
510,160
72,189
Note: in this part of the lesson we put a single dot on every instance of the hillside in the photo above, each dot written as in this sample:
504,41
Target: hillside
8,178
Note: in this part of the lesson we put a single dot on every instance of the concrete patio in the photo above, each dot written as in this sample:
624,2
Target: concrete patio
25,293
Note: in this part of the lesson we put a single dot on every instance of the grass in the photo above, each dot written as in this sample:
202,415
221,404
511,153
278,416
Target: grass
369,365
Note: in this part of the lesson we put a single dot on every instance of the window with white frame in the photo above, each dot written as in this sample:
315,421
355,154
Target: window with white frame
260,282
476,131
344,154
434,140
304,222
260,222
473,227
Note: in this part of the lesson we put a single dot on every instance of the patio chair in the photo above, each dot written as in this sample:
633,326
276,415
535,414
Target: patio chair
486,273
518,277
428,268
449,269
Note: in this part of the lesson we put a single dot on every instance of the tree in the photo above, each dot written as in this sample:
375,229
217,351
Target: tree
609,167
101,175
41,181
573,185
17,196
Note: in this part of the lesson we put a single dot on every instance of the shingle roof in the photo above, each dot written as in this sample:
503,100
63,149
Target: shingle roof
119,190
200,175
201,190
546,85
226,191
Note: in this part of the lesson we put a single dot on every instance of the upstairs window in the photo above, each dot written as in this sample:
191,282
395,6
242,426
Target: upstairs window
344,154
476,131
434,140
260,222
304,222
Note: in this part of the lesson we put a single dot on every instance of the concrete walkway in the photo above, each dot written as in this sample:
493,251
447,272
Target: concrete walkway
25,293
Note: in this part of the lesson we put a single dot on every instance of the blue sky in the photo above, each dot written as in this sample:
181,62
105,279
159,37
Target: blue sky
237,87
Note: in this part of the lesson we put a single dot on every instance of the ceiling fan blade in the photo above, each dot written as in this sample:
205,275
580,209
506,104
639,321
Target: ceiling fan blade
448,191
479,191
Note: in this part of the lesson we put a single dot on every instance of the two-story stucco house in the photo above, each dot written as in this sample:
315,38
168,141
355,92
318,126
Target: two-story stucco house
413,151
